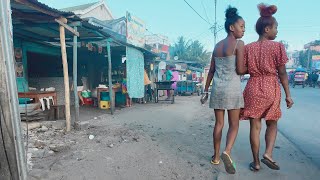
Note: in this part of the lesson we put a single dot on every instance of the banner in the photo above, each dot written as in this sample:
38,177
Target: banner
135,31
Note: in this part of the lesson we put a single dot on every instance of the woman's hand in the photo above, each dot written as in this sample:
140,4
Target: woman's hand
204,98
289,102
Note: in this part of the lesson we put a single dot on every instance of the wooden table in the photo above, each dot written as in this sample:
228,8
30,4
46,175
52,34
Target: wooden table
106,89
36,95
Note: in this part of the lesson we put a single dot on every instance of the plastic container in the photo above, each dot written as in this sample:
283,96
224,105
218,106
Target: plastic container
104,96
88,101
104,104
86,94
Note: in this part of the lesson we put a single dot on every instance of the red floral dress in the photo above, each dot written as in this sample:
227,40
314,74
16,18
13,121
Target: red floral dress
262,94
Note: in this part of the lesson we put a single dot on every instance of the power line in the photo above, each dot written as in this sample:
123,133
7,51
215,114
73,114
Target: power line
197,13
205,11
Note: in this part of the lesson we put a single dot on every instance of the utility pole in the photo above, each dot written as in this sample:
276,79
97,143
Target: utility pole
215,28
12,153
215,22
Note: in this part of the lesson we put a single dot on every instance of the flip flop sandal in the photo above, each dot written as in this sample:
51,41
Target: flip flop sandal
253,167
229,165
270,164
214,162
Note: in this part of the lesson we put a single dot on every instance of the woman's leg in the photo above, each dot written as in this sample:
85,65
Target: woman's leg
127,100
217,132
255,128
130,101
233,119
80,97
270,137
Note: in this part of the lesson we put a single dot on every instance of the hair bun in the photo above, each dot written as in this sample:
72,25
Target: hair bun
267,10
231,12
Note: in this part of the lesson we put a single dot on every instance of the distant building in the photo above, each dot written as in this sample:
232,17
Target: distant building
159,44
291,62
98,10
314,46
118,25
296,56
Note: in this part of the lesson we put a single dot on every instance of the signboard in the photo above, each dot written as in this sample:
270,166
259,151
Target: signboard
163,55
135,31
315,48
316,57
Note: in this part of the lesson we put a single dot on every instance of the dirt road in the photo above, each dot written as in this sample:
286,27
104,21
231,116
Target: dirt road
147,141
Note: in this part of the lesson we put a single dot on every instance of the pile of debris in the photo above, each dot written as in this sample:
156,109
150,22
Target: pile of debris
44,138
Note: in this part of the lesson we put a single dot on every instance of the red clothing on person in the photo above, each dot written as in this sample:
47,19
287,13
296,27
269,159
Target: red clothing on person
262,94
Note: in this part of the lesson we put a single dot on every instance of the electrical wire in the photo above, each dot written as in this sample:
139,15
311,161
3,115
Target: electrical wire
156,35
197,13
205,11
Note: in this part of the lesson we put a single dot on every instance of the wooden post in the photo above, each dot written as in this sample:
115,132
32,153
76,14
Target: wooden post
75,76
65,73
12,152
112,105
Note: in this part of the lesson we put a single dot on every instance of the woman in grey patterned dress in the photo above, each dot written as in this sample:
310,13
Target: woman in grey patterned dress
226,63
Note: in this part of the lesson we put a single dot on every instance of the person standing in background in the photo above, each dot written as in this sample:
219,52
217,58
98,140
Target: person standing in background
169,77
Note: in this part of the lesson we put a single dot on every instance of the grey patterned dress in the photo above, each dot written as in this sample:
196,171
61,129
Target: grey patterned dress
226,90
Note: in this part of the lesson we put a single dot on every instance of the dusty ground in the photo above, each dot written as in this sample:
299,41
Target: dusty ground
147,141
150,141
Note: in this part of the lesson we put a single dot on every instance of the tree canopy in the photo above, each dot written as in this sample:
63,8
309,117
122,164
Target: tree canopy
190,50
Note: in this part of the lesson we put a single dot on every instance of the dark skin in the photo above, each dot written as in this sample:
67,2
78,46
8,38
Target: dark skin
255,124
222,49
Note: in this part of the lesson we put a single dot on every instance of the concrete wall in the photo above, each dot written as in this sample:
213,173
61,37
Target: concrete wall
56,82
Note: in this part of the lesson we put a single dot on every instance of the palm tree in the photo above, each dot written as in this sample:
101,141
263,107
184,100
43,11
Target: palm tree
191,51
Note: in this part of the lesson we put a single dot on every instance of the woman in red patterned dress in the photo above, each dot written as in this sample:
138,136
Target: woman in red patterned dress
265,60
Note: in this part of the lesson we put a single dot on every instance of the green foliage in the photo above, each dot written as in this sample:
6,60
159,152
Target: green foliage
190,50
303,58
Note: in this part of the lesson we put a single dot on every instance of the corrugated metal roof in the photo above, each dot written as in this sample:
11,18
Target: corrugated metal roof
79,7
35,21
22,6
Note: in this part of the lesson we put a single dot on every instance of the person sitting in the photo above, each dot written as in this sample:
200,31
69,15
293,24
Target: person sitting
81,88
